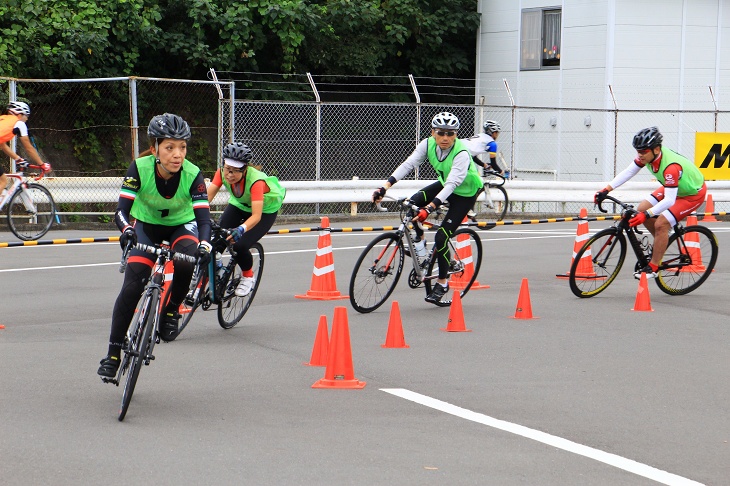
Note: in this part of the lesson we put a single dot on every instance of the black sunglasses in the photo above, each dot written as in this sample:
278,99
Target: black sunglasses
442,133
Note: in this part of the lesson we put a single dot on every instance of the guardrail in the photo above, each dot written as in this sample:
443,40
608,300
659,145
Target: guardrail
106,190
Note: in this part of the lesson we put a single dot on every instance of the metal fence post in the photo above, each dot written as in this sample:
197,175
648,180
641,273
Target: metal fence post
133,115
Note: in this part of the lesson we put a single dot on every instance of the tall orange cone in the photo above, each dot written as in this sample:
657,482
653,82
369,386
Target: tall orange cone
463,250
395,337
585,266
339,372
321,345
692,240
642,302
709,208
524,306
456,316
324,284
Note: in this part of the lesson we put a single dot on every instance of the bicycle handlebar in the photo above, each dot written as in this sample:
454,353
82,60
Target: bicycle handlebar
624,206
155,250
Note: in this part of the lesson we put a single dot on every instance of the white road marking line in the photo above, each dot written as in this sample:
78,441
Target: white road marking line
629,465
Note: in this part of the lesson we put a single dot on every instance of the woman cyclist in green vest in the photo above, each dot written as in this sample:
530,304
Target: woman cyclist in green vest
458,182
683,190
165,193
254,202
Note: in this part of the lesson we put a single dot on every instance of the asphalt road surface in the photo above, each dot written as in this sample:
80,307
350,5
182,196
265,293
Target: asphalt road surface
587,392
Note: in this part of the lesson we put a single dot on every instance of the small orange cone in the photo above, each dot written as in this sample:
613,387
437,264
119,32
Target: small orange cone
324,284
2,327
321,345
463,249
339,372
395,338
456,316
524,306
642,302
709,208
585,266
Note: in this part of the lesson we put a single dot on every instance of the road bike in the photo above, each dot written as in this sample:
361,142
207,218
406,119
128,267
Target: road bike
492,209
143,332
380,265
30,207
690,257
220,290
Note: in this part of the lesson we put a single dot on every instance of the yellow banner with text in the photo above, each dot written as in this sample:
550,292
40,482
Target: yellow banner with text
712,155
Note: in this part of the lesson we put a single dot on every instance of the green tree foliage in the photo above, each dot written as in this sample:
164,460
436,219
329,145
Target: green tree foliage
184,38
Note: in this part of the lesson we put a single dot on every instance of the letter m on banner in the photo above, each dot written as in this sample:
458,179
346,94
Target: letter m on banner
712,155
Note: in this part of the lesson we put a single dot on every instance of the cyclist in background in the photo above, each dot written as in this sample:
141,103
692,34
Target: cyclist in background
12,124
458,182
486,143
166,195
254,202
683,190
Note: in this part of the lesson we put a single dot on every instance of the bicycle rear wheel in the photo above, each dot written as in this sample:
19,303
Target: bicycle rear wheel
465,257
188,308
690,258
232,307
143,323
598,262
498,209
376,272
31,212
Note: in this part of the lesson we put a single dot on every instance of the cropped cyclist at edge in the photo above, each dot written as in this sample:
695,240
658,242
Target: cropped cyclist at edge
166,195
254,202
13,124
683,190
458,182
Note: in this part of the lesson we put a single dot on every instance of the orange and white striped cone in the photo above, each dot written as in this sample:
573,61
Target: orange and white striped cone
324,284
585,265
709,208
463,250
692,240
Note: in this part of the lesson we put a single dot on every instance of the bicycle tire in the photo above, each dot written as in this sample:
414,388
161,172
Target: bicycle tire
188,309
144,322
606,262
232,308
697,248
24,225
371,282
499,211
465,258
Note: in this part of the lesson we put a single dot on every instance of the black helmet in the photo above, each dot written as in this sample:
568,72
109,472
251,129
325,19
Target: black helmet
648,138
168,126
238,151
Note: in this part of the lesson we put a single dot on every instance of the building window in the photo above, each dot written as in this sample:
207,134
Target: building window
540,39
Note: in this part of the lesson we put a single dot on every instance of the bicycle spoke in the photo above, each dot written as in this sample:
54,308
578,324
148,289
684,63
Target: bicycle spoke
31,212
597,263
690,257
376,273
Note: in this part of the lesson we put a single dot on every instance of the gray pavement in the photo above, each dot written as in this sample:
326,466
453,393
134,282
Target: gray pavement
237,407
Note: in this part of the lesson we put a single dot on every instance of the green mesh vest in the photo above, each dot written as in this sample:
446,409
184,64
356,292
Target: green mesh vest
272,199
692,179
150,207
471,183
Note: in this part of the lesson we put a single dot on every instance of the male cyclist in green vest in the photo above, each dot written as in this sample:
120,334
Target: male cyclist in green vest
165,193
254,202
683,190
458,182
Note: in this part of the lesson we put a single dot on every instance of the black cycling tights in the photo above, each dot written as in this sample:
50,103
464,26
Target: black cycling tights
458,207
232,217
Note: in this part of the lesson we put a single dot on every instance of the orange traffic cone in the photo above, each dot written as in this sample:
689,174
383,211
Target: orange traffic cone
2,327
456,316
339,372
709,208
463,249
395,338
524,306
324,284
321,345
642,302
585,266
692,240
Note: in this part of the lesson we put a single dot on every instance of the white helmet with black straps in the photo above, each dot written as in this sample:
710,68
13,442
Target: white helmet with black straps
491,126
18,108
445,121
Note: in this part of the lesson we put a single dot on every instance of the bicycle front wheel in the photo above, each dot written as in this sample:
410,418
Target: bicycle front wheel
233,307
31,212
376,272
598,262
494,207
135,354
688,261
465,260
